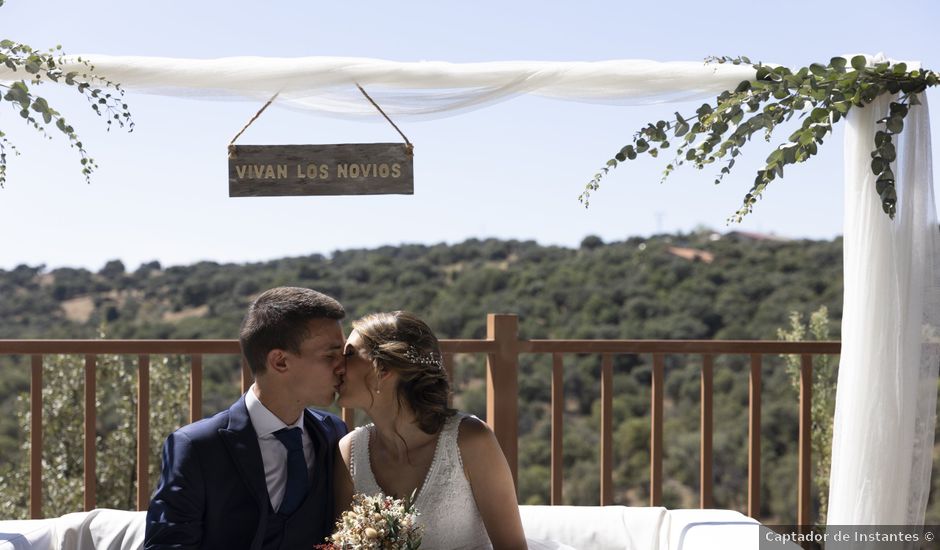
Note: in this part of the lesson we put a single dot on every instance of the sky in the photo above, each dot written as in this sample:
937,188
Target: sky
510,171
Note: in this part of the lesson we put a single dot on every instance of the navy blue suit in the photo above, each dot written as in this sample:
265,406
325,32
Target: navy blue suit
213,494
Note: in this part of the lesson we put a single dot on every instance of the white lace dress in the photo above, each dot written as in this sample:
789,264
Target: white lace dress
445,502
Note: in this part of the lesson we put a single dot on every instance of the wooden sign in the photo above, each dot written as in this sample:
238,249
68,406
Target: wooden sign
344,169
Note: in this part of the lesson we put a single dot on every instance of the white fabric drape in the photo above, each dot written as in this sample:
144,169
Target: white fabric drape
423,89
887,386
887,382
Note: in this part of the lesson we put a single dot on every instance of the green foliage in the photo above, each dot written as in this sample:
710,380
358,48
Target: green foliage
823,406
115,439
104,96
637,288
821,94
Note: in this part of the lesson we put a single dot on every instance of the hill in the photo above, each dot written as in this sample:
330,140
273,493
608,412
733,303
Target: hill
698,285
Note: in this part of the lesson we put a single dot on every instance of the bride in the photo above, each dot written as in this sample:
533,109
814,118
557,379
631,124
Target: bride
464,490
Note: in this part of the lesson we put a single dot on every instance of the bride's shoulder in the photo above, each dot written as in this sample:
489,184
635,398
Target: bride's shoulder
474,436
470,423
346,442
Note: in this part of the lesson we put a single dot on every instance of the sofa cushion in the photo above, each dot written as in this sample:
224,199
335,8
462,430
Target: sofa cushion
708,529
101,529
27,534
595,527
581,527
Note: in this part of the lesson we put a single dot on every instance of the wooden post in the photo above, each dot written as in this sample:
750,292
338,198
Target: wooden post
143,431
502,386
804,471
607,428
195,388
247,377
753,439
449,369
558,423
35,438
656,431
349,417
91,431
705,433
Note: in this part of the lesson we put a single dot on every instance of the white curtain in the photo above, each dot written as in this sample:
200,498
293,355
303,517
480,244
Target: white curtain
888,378
418,89
882,449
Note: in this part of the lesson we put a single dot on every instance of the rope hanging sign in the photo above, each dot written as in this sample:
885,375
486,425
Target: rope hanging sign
327,169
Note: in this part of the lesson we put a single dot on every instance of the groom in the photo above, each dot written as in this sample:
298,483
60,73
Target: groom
259,476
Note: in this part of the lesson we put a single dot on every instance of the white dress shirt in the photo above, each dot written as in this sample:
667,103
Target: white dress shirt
273,452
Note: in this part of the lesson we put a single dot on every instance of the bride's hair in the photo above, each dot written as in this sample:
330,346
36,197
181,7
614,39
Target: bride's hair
402,343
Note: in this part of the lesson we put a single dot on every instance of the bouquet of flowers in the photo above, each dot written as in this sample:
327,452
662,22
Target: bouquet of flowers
377,522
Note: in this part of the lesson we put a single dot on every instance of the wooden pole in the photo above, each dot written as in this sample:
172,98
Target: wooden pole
558,427
705,433
656,432
35,439
91,432
753,439
502,386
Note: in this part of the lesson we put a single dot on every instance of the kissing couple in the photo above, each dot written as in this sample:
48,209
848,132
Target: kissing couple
270,473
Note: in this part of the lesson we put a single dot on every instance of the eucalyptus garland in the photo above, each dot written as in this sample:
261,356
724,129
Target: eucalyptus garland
105,97
820,94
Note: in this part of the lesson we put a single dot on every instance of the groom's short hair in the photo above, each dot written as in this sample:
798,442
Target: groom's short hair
279,319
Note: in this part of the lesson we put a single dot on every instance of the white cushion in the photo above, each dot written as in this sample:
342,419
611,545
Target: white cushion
709,529
38,534
101,529
595,527
580,527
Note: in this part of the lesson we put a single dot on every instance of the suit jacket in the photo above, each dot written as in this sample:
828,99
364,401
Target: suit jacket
212,491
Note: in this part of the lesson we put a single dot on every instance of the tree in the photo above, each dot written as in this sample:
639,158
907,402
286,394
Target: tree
824,397
63,432
41,66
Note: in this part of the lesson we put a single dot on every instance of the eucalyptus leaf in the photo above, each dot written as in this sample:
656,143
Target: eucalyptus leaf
881,184
888,152
819,114
898,109
39,67
895,124
822,95
889,194
870,93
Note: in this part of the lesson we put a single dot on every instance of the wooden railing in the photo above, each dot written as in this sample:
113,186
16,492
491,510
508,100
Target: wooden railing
502,348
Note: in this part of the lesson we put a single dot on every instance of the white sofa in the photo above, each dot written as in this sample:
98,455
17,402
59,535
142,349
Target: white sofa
655,528
581,527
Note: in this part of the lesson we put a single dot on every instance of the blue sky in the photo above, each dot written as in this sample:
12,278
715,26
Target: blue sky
513,170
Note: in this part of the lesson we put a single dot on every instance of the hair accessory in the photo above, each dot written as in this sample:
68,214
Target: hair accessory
432,359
